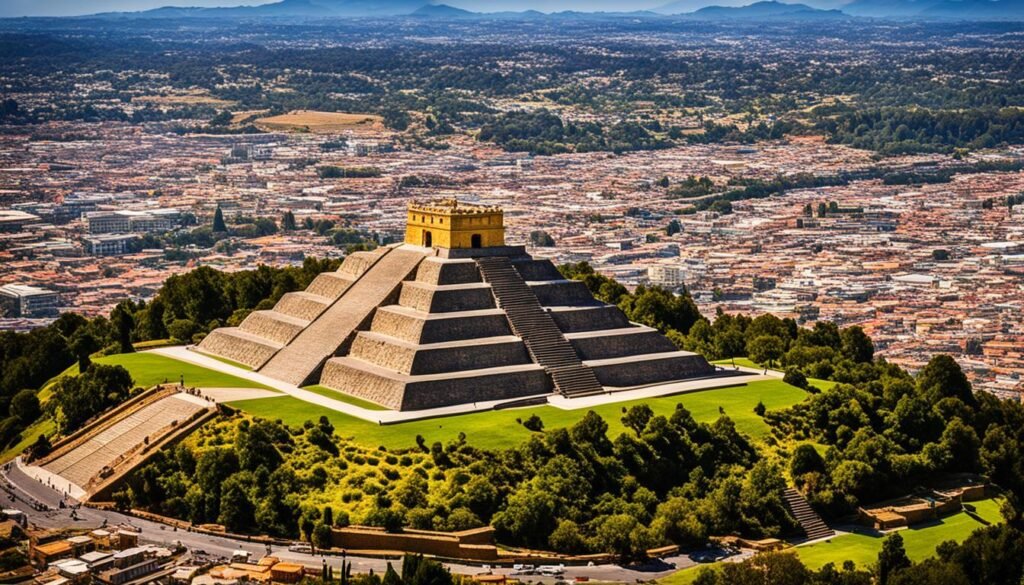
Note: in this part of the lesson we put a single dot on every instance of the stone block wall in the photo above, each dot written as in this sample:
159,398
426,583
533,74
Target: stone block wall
416,327
562,293
273,326
330,285
442,271
301,305
636,342
651,371
446,298
440,544
591,318
231,343
392,354
537,269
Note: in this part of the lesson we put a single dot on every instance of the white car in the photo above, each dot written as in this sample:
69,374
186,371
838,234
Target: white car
301,547
551,570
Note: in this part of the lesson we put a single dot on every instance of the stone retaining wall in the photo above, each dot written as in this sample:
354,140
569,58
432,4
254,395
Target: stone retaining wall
640,372
272,325
301,305
421,360
563,293
440,544
228,342
417,328
330,285
601,347
441,271
537,269
446,299
590,319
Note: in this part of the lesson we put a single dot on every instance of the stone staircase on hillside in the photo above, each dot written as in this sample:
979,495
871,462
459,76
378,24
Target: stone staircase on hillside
543,339
812,524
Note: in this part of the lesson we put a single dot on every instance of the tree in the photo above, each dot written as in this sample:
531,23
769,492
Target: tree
321,537
856,345
891,559
182,329
805,459
25,406
83,345
288,221
795,377
237,513
122,318
943,378
766,349
637,417
218,221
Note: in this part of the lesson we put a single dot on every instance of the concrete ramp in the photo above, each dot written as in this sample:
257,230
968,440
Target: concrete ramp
300,361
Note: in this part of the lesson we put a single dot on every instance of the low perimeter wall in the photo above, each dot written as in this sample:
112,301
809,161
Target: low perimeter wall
469,544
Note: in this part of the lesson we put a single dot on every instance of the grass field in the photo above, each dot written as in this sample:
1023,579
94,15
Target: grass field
148,369
920,542
498,428
322,122
748,363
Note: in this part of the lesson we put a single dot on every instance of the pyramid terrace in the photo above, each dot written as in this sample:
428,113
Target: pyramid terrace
452,316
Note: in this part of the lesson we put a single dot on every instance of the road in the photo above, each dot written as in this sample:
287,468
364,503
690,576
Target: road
22,490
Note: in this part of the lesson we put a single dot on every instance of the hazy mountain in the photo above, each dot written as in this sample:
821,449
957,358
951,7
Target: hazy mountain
766,10
443,11
955,9
293,8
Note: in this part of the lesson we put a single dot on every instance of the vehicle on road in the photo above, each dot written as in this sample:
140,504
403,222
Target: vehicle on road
301,547
551,570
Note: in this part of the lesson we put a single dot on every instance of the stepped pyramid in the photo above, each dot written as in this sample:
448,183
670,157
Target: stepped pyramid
451,316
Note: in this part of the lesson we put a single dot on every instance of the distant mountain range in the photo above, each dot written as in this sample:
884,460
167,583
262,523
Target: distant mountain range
691,9
955,9
766,10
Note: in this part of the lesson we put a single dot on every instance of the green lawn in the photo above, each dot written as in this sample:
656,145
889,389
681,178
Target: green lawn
342,397
148,369
748,363
920,541
862,549
498,428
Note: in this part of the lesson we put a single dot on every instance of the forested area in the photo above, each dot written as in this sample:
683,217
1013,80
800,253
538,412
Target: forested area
938,90
666,479
186,308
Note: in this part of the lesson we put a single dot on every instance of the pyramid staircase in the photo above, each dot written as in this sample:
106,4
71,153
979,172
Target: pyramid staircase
812,524
543,338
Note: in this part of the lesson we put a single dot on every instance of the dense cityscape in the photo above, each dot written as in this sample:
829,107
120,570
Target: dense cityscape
444,297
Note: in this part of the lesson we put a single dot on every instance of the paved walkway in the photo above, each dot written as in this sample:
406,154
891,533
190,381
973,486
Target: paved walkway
185,354
189,355
656,391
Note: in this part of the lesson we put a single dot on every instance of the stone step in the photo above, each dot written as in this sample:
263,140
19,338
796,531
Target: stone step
812,524
544,340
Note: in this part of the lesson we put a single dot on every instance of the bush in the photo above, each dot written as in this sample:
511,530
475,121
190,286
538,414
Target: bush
534,423
795,377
